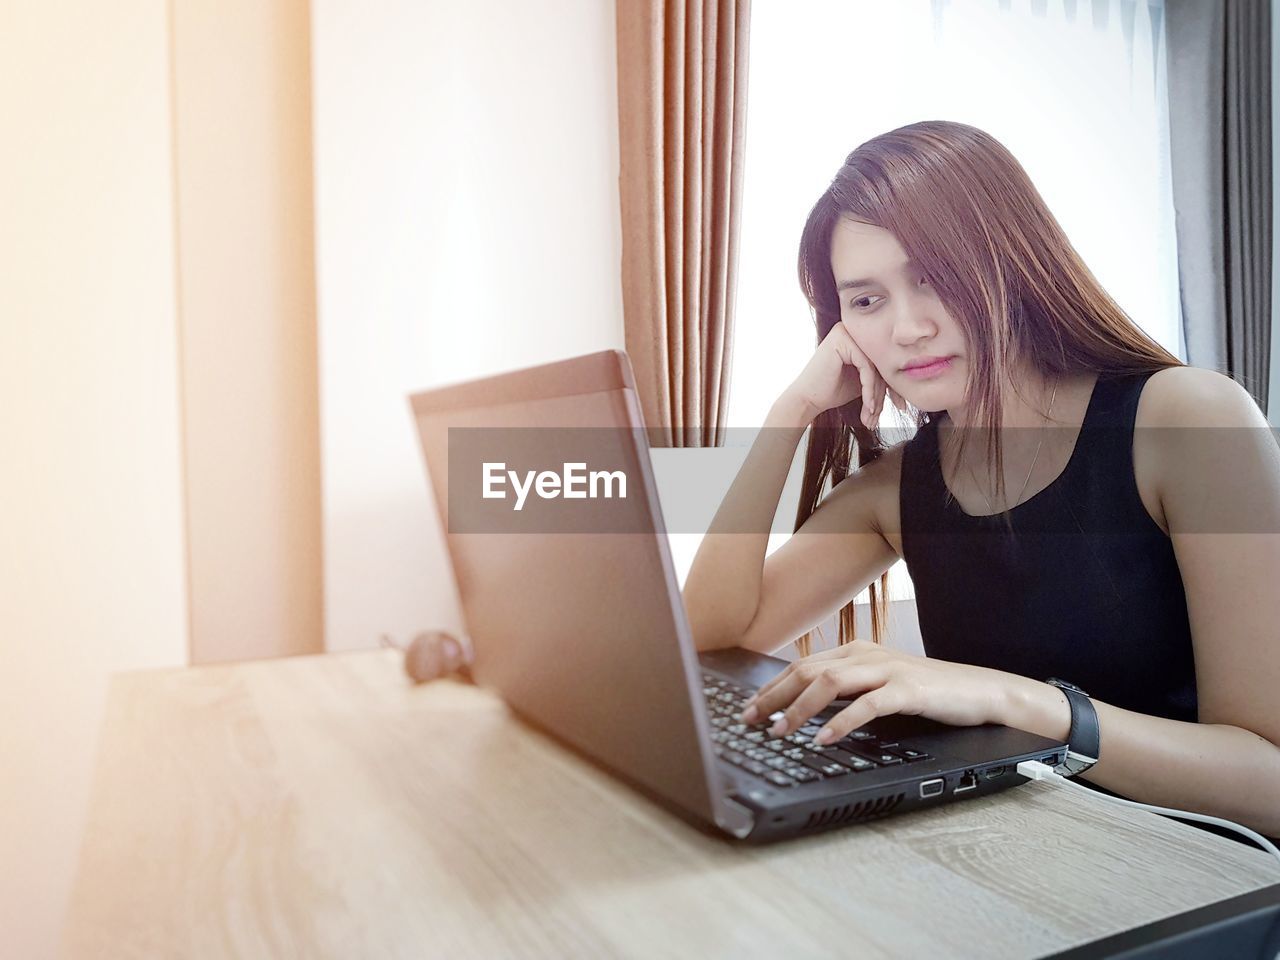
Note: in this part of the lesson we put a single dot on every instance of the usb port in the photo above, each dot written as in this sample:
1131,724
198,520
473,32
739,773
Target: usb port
968,780
931,788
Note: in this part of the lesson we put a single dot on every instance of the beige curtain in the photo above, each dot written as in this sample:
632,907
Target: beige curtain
682,86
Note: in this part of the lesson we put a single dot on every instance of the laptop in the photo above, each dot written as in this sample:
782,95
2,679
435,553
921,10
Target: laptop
544,487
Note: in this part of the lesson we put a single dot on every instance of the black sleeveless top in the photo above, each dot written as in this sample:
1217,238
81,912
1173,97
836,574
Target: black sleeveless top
1086,588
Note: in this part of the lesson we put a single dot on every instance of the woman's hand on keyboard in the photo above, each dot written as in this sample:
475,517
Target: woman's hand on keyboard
883,681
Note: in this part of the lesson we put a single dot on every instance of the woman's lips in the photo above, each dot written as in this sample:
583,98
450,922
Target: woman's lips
930,371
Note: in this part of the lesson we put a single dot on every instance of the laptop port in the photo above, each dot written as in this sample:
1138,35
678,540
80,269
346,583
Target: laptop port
968,780
994,773
931,788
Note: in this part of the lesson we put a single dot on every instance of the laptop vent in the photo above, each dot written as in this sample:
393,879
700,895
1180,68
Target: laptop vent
862,810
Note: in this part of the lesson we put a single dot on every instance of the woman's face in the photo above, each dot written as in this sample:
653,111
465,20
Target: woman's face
895,318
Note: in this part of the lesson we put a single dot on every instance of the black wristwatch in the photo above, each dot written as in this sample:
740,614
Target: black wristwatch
1084,739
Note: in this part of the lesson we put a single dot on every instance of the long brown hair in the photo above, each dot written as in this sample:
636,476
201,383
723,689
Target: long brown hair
963,209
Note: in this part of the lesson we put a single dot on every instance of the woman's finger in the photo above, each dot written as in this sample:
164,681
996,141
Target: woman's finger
854,650
790,670
781,691
838,679
852,354
811,699
868,379
879,702
859,682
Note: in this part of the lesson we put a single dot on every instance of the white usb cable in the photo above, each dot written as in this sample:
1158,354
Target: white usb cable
1035,770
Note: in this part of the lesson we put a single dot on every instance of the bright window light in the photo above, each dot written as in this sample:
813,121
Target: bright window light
1080,102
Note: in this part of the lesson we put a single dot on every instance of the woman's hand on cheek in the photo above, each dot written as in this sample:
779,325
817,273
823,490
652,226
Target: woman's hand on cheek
884,682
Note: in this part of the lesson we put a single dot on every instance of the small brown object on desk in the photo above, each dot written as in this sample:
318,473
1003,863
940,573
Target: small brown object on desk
327,807
434,654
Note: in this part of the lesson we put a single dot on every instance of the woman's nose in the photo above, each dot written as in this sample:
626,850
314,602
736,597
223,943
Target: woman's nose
912,324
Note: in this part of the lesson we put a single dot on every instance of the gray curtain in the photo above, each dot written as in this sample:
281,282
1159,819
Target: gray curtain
1219,68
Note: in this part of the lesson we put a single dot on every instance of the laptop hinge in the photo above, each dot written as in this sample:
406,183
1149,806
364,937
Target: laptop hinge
735,818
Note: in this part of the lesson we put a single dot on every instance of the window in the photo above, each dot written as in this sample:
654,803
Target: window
1074,89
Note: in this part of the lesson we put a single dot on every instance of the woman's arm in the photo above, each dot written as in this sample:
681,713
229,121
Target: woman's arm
722,590
1222,769
732,596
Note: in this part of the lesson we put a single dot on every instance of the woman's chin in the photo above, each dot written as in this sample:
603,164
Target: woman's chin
930,397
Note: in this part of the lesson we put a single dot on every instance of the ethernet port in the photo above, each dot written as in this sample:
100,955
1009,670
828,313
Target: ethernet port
968,780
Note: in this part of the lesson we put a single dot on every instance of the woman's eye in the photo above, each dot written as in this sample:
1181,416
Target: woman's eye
861,303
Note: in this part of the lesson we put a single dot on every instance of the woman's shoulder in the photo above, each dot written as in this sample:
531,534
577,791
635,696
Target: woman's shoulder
1185,396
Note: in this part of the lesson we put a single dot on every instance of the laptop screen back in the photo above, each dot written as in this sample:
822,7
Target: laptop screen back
544,489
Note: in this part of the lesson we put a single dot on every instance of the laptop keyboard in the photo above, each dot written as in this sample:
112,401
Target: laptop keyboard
795,758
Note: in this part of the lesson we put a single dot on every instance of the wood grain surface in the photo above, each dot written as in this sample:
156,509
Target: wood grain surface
325,807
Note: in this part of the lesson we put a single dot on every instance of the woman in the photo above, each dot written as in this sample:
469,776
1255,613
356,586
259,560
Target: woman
1053,527
1058,512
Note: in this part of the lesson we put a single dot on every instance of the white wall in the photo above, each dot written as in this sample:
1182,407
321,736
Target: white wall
246,297
91,548
466,223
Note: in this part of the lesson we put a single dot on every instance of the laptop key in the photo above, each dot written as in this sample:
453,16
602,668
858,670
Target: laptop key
850,760
887,759
756,767
778,778
912,755
827,768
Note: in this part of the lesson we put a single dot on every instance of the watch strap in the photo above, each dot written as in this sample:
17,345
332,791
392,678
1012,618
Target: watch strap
1084,738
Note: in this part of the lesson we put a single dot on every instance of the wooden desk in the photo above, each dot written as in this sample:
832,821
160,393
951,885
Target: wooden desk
323,807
